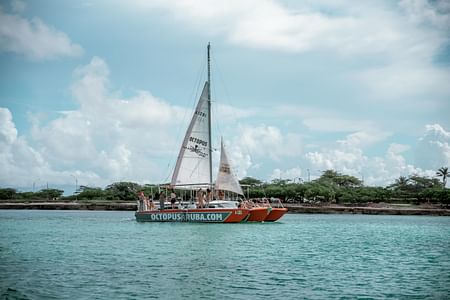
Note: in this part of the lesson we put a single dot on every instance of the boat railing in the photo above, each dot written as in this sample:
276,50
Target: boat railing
277,202
266,202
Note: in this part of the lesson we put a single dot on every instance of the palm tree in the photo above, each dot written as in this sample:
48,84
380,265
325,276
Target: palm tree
401,183
443,172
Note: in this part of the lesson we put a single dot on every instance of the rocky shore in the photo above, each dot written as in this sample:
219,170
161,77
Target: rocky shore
293,208
368,210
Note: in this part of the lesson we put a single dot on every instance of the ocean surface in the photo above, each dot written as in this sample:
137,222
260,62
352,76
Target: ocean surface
108,255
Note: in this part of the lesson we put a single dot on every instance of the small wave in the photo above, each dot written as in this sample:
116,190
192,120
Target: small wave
12,293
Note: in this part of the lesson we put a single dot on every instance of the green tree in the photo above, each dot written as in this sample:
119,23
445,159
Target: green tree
319,191
400,183
91,193
275,190
49,194
26,195
7,193
279,181
339,179
122,191
250,181
443,172
419,183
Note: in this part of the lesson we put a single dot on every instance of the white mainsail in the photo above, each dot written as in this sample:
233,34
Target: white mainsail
193,163
225,178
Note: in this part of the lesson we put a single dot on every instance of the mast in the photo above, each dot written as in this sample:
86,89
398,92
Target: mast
209,116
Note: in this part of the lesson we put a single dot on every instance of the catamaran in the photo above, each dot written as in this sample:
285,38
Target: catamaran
193,171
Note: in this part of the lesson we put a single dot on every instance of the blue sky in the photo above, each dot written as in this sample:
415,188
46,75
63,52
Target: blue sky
102,91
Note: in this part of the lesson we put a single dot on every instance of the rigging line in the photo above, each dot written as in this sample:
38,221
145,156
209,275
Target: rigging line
216,123
193,96
228,99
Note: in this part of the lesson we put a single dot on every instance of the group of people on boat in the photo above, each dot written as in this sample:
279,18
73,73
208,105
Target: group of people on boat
257,202
203,199
250,204
148,203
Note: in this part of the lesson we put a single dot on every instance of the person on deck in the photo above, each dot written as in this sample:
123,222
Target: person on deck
162,198
173,198
156,198
209,197
200,197
151,204
141,201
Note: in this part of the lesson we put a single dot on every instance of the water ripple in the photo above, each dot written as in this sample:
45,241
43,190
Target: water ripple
107,255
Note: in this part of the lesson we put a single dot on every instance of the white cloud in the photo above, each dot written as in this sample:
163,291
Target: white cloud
423,12
347,156
397,42
269,141
228,113
363,139
108,138
401,81
356,28
294,174
433,148
398,148
33,38
116,137
22,165
325,120
336,124
8,131
342,159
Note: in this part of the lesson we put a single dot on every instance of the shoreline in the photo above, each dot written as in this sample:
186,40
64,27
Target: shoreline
124,206
407,211
293,208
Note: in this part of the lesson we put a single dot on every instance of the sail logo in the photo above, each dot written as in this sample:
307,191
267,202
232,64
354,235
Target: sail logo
200,113
197,150
225,168
198,141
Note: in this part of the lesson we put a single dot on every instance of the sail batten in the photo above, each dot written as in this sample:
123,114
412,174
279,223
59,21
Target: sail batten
193,163
226,180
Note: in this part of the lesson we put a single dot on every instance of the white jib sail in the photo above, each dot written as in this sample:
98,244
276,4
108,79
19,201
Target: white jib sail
193,160
225,178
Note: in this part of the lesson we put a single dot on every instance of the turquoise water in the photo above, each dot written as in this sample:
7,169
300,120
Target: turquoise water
107,255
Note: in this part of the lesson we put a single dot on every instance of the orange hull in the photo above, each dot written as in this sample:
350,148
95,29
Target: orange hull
275,214
197,215
258,214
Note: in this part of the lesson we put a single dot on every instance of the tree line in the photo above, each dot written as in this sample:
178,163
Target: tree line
335,187
331,186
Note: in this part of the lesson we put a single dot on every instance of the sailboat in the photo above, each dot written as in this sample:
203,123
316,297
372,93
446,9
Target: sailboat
193,172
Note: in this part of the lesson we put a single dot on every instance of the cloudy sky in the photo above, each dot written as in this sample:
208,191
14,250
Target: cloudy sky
102,91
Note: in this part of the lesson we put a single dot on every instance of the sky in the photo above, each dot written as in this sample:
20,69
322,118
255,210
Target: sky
94,92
